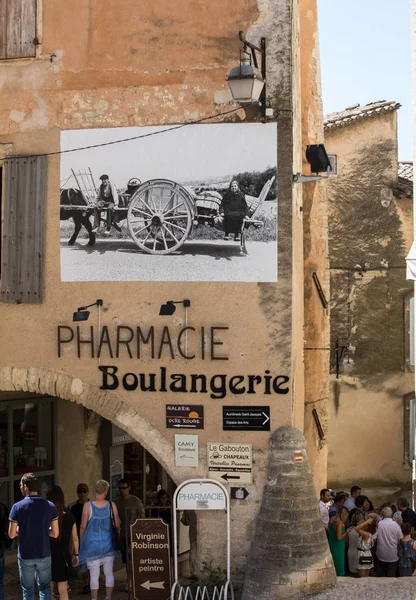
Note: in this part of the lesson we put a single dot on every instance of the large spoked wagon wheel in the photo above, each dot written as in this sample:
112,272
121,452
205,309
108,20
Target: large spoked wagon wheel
160,216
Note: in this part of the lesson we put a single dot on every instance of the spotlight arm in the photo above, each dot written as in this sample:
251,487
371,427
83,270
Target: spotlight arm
98,302
186,303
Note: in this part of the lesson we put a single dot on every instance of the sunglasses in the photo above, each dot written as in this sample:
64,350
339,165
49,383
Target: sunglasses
126,487
82,492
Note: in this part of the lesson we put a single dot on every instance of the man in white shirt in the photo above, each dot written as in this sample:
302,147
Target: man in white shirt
389,534
350,502
324,499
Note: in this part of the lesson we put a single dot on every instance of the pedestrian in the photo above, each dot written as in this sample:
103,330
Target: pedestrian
366,530
323,505
364,504
355,491
97,547
5,543
62,558
407,552
339,502
336,538
355,517
408,515
76,510
234,208
130,508
389,535
37,520
107,199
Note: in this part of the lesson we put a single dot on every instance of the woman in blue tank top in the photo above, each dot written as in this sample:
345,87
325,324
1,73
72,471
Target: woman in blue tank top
97,548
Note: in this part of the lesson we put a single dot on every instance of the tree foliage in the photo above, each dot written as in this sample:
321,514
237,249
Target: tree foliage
252,182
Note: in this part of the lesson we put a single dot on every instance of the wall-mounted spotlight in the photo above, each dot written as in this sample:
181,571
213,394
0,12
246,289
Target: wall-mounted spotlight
169,308
82,313
318,159
247,82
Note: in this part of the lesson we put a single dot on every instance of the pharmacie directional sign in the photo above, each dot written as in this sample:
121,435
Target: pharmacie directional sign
186,450
204,495
150,559
230,463
184,416
247,418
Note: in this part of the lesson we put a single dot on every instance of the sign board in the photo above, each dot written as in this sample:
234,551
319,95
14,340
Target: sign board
204,495
185,416
229,462
186,450
150,559
119,436
247,418
239,493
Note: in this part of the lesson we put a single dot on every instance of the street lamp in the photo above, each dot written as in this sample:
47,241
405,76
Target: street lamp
247,82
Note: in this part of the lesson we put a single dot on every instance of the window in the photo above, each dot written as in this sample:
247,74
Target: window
23,229
17,28
26,445
333,161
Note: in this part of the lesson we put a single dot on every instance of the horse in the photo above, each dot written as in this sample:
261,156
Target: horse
73,197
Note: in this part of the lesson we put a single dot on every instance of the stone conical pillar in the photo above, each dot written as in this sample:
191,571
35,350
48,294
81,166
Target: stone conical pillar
289,555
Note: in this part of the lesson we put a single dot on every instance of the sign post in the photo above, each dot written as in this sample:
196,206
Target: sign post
201,494
150,559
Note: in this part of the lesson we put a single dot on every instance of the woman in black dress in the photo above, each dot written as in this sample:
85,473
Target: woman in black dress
62,559
234,207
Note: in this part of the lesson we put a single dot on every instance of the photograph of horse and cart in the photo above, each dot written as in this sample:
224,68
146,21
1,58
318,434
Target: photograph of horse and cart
186,205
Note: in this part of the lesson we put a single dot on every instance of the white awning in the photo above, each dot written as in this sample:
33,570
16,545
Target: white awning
411,263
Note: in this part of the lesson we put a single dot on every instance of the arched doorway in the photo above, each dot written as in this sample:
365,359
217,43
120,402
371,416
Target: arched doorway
67,432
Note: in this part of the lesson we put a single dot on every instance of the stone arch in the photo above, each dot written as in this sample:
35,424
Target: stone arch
107,404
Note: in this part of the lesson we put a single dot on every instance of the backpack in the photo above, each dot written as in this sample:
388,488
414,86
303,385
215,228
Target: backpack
406,555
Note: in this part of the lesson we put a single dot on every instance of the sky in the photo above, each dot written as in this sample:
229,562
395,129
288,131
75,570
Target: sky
365,57
194,153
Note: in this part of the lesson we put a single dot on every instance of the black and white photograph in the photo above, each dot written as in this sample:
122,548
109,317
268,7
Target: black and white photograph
169,203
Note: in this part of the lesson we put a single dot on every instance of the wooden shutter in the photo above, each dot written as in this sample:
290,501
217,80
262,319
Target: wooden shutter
17,28
23,229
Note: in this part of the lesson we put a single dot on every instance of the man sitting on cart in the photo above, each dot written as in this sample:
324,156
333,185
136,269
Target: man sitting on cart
107,199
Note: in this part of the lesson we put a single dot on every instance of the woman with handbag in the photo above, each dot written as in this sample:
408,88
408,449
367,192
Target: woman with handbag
366,530
61,558
99,528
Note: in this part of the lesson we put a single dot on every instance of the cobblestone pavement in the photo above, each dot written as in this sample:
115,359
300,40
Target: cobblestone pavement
371,588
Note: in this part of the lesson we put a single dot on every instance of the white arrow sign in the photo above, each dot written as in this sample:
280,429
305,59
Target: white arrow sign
267,418
153,584
186,426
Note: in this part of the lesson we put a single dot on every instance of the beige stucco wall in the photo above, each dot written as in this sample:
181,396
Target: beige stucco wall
370,235
365,436
166,64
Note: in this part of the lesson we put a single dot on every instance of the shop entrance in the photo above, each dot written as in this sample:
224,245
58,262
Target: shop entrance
129,459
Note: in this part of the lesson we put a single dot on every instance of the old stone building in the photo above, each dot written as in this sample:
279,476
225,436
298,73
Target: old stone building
370,233
76,79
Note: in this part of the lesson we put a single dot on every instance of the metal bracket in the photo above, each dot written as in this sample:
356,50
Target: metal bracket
320,291
299,178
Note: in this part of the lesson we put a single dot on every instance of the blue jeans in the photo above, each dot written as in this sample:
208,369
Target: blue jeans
1,578
43,569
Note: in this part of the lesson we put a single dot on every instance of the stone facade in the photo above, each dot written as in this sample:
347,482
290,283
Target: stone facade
370,233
